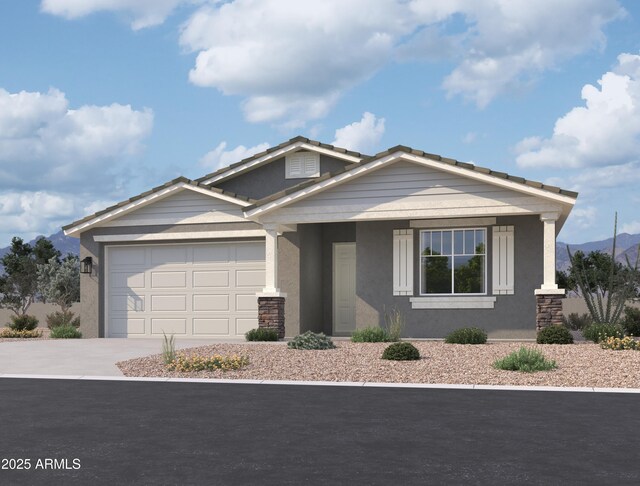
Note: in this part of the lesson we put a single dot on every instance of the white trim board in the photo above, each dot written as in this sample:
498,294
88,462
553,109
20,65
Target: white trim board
192,235
453,302
451,222
395,157
276,154
144,201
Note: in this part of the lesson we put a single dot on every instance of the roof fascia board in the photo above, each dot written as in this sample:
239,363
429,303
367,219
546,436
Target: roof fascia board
400,155
276,155
144,201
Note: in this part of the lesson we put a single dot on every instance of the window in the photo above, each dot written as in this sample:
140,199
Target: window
453,261
300,165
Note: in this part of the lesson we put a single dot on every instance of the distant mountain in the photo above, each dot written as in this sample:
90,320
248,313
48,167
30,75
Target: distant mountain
626,245
64,244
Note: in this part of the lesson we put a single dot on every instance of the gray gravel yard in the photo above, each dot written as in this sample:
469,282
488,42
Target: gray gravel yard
579,365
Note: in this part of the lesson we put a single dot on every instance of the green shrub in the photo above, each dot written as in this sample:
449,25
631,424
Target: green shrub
467,335
631,321
207,363
554,335
402,351
58,318
168,348
370,335
65,332
23,323
577,322
526,360
600,332
618,344
311,340
261,334
10,333
395,322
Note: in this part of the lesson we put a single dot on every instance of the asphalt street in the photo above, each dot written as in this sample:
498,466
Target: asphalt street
113,432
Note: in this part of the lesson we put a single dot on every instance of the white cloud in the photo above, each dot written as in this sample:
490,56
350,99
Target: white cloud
219,157
470,137
632,227
54,160
141,13
603,132
361,136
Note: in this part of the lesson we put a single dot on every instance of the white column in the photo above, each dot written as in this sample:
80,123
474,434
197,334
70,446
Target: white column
271,261
549,285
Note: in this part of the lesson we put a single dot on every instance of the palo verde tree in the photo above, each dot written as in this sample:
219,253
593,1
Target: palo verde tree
59,282
604,284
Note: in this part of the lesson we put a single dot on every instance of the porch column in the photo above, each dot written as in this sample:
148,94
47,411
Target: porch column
549,296
271,300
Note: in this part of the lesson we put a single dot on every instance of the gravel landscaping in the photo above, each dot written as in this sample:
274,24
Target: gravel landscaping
579,365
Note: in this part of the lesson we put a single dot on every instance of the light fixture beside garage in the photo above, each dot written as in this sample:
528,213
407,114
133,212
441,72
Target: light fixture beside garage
86,265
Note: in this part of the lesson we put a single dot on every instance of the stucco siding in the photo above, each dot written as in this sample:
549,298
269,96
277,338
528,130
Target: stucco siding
270,178
512,318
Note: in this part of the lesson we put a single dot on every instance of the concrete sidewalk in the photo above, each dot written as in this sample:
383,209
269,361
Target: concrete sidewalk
93,357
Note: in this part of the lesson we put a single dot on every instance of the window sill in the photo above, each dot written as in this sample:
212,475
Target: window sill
453,302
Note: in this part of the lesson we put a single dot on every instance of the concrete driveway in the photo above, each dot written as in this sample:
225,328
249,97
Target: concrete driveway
94,357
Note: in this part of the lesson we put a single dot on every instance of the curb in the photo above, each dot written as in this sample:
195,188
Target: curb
366,384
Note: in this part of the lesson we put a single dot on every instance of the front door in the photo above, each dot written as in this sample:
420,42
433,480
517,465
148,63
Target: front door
344,288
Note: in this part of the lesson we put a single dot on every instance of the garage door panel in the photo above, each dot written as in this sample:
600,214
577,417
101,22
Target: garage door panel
211,302
211,326
127,326
127,303
246,303
168,303
184,289
168,326
163,255
160,280
127,280
218,278
220,253
250,278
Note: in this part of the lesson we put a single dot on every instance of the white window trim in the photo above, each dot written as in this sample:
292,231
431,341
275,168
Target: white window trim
303,174
454,301
486,246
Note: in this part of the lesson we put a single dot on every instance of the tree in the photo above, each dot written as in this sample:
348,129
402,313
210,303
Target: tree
18,285
59,282
605,285
44,251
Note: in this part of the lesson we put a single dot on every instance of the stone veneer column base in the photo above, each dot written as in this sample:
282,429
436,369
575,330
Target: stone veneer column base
548,310
271,314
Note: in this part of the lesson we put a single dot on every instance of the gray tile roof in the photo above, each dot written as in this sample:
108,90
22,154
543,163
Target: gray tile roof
154,190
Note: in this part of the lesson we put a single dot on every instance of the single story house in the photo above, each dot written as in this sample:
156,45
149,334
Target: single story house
308,236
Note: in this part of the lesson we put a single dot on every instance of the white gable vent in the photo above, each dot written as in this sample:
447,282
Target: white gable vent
301,165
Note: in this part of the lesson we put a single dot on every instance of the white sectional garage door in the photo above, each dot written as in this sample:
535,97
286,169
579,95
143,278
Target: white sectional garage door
194,290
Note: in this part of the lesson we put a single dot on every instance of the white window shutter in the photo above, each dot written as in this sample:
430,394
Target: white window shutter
403,262
503,260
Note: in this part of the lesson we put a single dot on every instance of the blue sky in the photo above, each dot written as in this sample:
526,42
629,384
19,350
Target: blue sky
103,99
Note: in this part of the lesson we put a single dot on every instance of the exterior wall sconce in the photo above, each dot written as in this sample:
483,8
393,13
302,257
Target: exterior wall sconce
86,265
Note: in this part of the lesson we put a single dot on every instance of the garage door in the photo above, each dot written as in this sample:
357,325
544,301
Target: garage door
194,290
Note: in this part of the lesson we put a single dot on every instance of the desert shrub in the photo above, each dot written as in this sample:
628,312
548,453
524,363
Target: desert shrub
371,334
66,331
311,340
554,335
261,334
467,335
620,344
577,322
631,321
168,348
207,363
11,333
395,323
62,318
526,360
401,352
23,323
600,332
